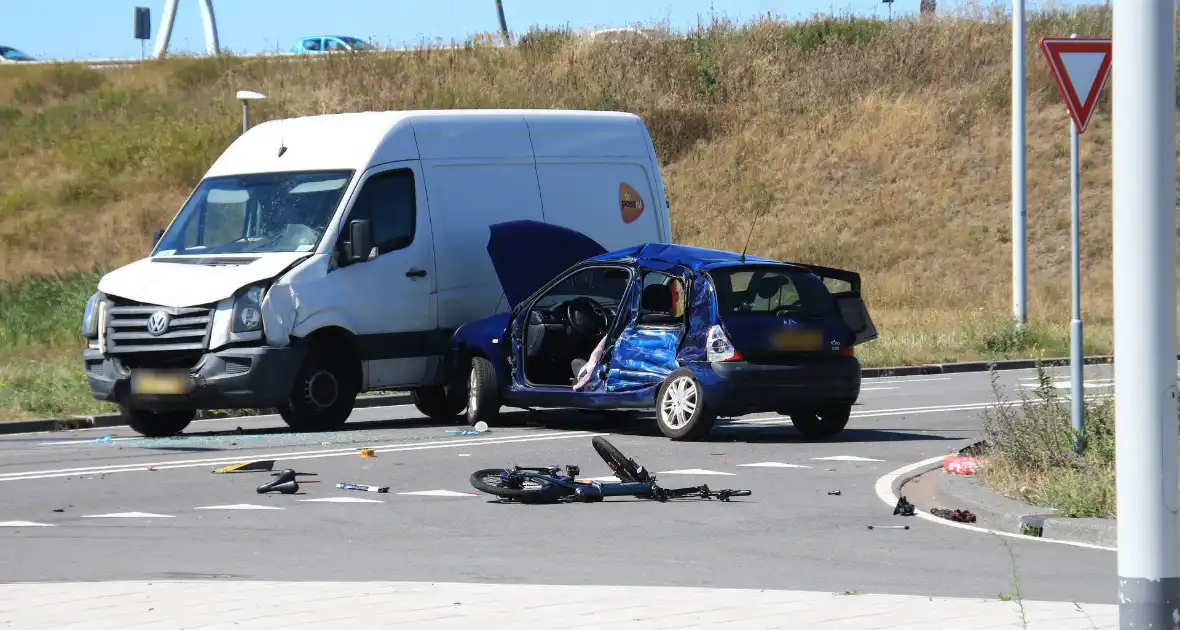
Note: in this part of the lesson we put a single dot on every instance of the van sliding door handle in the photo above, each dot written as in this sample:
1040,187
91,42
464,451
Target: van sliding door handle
415,273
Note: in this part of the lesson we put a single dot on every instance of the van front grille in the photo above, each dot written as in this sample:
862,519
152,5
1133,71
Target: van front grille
138,328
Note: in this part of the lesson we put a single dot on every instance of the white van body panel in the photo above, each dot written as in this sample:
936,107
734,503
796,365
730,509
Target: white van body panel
470,168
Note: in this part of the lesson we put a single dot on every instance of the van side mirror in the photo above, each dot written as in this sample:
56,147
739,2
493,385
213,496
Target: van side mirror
360,241
156,236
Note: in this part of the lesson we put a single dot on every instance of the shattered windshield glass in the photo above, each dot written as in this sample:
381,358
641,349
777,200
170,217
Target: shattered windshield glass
257,213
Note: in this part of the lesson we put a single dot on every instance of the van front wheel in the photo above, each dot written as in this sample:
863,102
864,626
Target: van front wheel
324,393
156,423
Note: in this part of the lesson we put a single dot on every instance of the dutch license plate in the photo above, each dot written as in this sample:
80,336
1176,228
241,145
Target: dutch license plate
160,383
798,340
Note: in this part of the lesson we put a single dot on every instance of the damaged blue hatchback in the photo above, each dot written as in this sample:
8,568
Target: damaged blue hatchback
693,333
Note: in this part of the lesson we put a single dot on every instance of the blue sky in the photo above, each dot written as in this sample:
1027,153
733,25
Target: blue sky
96,29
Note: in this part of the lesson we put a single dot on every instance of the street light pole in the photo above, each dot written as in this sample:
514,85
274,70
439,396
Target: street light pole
245,96
1019,257
503,22
1144,216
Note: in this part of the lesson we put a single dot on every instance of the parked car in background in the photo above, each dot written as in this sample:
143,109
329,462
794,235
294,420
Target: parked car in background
9,54
690,332
330,43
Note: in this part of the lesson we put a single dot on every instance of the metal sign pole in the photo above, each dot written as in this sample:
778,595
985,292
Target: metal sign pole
1144,215
1077,402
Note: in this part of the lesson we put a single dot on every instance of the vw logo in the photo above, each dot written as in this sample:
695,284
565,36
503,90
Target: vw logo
157,324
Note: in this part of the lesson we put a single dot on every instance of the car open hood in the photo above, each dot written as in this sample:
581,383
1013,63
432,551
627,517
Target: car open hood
527,254
180,281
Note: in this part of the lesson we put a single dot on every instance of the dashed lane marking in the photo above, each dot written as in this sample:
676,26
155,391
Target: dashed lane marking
846,458
694,471
774,465
340,500
129,515
239,506
24,524
440,493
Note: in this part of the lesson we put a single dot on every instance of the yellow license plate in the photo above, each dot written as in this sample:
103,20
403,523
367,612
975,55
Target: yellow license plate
798,341
156,383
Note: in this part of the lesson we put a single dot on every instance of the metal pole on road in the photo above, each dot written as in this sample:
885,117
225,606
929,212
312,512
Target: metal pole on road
1019,260
1144,216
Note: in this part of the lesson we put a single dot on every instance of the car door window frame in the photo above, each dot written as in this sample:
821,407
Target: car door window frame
681,319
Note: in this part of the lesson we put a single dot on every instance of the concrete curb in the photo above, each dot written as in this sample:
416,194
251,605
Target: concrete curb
114,420
994,511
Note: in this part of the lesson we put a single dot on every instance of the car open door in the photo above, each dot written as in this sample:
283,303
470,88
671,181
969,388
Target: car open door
845,287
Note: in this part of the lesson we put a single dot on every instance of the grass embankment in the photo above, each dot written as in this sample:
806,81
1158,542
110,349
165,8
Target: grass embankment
877,146
1031,455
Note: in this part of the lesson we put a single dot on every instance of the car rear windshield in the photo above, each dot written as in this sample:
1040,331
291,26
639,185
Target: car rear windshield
769,291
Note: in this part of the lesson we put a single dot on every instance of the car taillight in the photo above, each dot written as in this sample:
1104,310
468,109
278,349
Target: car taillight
719,347
848,352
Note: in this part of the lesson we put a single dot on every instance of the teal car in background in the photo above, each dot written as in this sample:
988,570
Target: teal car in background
330,43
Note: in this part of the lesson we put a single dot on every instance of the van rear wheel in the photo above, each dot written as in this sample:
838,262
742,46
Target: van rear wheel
325,391
157,423
438,403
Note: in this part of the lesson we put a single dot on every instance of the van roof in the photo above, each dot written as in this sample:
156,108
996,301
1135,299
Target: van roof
357,141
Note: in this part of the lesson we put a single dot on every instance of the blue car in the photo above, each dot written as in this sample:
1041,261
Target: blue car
689,332
329,43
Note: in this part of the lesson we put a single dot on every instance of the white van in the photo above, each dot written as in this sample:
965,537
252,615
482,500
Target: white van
325,256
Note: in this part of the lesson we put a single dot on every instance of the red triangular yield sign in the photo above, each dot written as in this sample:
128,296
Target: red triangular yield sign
1080,66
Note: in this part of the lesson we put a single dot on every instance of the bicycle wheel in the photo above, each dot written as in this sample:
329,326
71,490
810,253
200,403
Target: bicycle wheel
531,490
624,468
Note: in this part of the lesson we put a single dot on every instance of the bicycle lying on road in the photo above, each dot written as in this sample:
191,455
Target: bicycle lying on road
546,484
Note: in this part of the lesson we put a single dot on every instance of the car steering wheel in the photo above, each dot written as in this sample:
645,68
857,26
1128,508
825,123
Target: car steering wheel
586,317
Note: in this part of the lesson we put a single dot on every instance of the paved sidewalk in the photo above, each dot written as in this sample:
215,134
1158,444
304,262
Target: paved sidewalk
337,605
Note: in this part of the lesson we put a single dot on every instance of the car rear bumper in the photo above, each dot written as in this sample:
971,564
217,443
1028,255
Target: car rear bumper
236,378
738,387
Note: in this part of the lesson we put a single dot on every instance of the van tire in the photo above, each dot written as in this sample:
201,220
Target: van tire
324,392
438,403
156,423
822,424
682,383
483,394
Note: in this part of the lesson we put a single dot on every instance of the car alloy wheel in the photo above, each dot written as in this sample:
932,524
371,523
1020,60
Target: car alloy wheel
679,403
473,391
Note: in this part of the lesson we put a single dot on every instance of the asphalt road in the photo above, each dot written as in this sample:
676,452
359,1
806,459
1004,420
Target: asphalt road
79,507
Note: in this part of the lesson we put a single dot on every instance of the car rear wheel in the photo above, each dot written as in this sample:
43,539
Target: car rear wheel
681,411
483,394
825,423
157,423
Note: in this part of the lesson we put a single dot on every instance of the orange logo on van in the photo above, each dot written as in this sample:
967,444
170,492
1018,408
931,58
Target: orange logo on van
630,203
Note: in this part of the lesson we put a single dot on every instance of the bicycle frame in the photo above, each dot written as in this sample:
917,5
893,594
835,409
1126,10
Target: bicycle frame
586,491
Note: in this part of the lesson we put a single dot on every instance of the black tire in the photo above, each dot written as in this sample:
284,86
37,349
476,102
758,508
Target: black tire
438,403
681,410
532,491
483,393
623,467
157,423
824,424
324,393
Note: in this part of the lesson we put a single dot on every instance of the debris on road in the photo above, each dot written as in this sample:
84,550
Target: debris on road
959,516
961,465
284,482
362,487
462,431
889,526
106,439
368,452
834,493
903,507
265,464
150,468
59,510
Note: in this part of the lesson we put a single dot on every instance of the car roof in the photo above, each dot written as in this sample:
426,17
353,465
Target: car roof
696,258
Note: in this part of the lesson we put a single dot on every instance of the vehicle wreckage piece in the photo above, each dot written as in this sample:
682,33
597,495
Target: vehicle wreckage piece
284,483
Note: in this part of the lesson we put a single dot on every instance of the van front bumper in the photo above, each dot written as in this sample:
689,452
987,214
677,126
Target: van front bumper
234,378
738,388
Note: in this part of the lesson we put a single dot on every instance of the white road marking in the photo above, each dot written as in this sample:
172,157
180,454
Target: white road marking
441,493
340,500
774,465
846,458
694,471
341,452
1100,383
884,491
902,379
129,515
606,479
875,389
89,441
24,524
239,506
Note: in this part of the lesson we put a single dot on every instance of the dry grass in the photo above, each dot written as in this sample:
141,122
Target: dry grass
877,146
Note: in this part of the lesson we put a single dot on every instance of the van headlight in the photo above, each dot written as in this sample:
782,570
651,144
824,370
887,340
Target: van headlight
91,316
248,310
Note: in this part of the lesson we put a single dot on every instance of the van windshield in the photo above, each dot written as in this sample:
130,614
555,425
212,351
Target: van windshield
258,213
770,291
